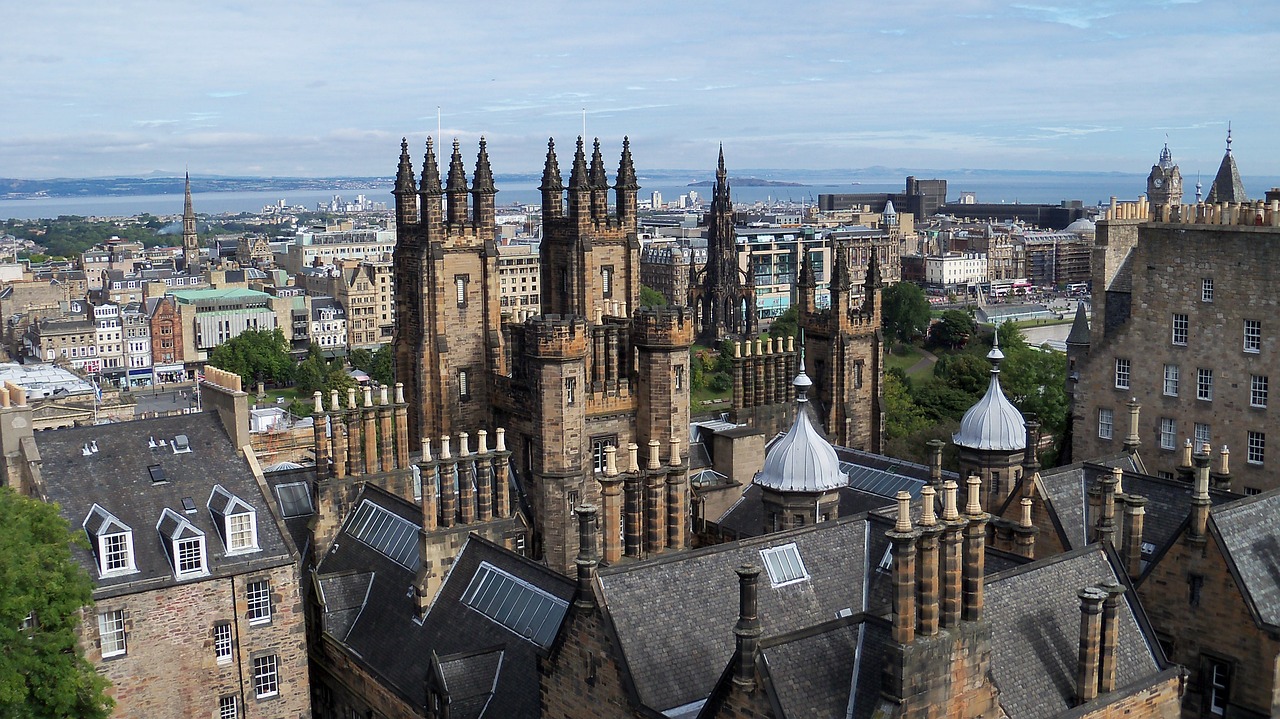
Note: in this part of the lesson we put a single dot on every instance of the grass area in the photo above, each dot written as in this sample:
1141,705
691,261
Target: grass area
707,398
905,361
1044,323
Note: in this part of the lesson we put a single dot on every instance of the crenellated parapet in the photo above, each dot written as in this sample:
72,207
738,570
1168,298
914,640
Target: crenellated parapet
662,327
556,337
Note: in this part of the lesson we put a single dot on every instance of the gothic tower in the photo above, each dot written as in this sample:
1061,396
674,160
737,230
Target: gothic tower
721,294
846,349
190,239
1164,184
591,373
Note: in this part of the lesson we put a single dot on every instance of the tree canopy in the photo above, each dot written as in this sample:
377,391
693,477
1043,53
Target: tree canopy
317,373
952,330
786,324
379,364
253,354
905,310
650,297
43,672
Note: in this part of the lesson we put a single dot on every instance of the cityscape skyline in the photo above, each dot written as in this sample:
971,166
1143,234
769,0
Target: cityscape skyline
240,90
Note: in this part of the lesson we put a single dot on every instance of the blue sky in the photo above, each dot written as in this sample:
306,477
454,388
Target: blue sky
318,88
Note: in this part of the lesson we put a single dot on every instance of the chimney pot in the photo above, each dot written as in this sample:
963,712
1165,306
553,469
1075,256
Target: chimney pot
633,457
747,630
351,398
949,511
928,503
444,448
1026,512
463,448
655,454
368,396
974,507
610,461
426,449
482,439
904,512
317,399
399,392
382,394
502,439
674,459
333,400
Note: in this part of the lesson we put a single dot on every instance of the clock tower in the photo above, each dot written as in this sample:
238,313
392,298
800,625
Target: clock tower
1164,184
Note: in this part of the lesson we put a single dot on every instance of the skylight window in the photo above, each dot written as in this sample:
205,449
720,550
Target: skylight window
517,605
784,565
393,536
295,499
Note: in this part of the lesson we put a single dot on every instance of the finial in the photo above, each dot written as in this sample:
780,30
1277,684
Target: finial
1228,137
802,382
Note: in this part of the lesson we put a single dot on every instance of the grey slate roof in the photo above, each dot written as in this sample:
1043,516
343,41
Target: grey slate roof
117,478
1035,620
746,517
1250,536
385,637
674,615
1227,186
1079,334
811,674
471,680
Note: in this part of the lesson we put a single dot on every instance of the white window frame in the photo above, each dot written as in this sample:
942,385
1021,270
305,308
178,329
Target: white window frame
1204,384
107,553
111,633
1106,423
233,533
1259,386
1206,289
258,599
182,554
778,565
1168,433
1253,336
1123,368
229,707
1172,375
1257,447
223,642
1181,328
266,676
1202,434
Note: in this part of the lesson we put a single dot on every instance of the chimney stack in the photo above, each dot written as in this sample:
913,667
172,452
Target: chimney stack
935,463
611,495
586,560
1221,477
1134,440
927,574
1134,513
747,631
1110,637
1031,461
1091,599
975,553
1105,527
1200,498
952,551
904,573
1025,532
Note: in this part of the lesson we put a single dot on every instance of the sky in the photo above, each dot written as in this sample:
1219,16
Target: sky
321,88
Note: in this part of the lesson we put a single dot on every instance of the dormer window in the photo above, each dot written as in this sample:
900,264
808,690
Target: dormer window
111,541
184,545
236,520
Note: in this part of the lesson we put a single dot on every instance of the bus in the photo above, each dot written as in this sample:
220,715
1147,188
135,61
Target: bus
1078,288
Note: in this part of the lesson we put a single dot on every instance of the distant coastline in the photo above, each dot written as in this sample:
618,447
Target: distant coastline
749,182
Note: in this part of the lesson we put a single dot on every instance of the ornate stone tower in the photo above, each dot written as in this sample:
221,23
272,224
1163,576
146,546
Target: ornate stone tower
993,439
721,294
845,347
190,238
590,374
1164,184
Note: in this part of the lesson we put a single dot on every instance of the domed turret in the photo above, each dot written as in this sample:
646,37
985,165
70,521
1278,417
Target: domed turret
802,460
993,423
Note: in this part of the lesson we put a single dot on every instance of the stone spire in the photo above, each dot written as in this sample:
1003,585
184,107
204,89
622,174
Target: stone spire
190,237
552,186
578,175
404,174
482,182
1079,334
626,169
430,184
456,188
598,179
1227,186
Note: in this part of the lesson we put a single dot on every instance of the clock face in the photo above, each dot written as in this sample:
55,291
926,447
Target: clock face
1157,182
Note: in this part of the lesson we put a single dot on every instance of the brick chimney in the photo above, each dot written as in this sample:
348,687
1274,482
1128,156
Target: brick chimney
1220,478
904,573
975,552
1107,654
747,630
952,556
634,522
927,565
466,481
654,511
319,424
1134,513
221,392
677,474
448,465
587,557
1091,599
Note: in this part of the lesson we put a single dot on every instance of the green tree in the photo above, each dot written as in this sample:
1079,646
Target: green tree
43,672
964,372
905,310
383,367
786,324
253,354
361,358
1011,337
902,417
650,297
952,330
317,373
1035,381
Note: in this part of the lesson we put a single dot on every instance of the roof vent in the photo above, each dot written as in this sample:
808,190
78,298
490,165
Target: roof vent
181,444
86,451
151,442
93,446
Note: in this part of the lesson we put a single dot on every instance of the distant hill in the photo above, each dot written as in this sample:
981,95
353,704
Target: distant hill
749,182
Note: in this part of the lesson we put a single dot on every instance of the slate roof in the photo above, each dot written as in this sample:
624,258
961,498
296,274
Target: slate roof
746,517
815,673
386,637
1250,537
674,615
1034,614
471,680
118,478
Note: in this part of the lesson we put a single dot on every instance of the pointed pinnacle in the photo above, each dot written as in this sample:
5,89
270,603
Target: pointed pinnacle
430,183
551,170
457,175
483,180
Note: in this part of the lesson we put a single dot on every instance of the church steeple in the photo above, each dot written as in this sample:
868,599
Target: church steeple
485,212
190,238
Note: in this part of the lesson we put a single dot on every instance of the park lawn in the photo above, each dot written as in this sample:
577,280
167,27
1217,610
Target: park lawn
903,362
706,394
